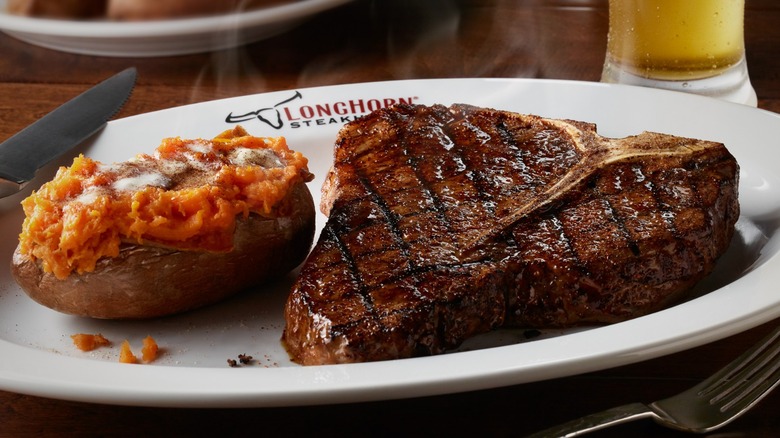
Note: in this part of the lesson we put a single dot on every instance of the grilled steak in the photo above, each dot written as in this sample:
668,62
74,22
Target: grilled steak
449,222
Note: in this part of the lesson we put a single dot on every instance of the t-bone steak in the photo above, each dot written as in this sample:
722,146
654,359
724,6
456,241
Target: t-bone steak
447,222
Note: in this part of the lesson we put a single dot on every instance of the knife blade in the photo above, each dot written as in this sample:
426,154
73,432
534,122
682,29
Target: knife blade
22,155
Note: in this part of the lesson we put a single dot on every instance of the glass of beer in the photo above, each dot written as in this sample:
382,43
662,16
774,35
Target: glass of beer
695,46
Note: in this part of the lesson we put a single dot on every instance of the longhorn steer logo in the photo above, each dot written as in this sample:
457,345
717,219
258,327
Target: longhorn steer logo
270,116
337,111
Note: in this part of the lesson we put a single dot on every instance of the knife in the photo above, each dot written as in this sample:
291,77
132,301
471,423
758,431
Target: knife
61,130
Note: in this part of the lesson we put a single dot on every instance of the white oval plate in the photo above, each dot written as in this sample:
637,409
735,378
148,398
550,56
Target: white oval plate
37,356
161,37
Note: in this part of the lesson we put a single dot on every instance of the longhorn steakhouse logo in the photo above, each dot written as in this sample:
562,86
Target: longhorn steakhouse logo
293,113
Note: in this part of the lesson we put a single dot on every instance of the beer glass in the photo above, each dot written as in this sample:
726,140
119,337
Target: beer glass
696,46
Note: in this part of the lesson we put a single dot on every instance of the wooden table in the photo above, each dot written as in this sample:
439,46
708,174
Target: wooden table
370,41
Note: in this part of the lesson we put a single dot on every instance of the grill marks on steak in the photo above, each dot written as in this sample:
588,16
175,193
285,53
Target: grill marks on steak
448,222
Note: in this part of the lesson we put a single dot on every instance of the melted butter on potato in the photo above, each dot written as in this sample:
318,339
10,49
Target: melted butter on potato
187,195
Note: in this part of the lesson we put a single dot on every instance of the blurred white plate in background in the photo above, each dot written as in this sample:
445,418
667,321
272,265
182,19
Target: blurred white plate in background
161,37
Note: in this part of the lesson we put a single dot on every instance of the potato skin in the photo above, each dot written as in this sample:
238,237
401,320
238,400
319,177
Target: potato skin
151,281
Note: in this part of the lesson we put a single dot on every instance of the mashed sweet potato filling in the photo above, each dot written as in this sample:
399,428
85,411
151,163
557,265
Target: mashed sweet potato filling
187,195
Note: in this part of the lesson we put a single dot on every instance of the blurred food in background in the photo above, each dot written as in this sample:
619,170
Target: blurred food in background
130,10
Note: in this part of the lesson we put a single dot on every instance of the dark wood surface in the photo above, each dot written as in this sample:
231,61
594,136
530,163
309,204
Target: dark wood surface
370,41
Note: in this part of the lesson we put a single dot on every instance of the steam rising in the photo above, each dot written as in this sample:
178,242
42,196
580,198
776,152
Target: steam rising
408,39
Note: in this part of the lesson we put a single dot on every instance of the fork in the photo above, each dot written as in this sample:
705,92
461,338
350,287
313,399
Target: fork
705,407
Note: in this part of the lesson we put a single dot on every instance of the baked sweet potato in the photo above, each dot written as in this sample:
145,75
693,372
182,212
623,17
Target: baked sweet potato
147,281
166,267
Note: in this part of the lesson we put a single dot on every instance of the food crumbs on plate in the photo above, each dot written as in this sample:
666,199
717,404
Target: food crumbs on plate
243,359
149,350
88,342
125,354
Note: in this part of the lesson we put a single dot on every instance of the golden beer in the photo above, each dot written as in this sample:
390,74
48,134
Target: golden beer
675,39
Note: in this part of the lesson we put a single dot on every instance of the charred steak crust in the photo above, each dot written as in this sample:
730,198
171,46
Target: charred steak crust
449,222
